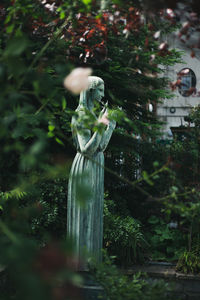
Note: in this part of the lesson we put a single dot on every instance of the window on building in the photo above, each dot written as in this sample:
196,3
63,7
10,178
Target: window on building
187,85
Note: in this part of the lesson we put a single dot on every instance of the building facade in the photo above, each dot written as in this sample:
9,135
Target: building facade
186,80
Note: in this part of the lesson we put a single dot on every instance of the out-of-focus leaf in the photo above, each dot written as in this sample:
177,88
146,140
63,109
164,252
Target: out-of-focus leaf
64,103
86,2
16,46
51,127
59,141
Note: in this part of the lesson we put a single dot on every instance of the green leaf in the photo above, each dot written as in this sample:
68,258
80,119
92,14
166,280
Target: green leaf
50,134
8,18
10,28
86,2
156,164
153,220
16,46
15,193
59,141
146,178
64,103
62,15
51,128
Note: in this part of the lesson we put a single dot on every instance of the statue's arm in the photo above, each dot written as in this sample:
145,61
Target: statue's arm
89,145
107,135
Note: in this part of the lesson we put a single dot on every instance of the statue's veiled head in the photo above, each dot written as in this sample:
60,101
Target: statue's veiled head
95,91
96,86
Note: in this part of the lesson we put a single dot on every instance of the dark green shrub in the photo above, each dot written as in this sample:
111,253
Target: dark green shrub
123,235
118,286
51,200
189,262
165,243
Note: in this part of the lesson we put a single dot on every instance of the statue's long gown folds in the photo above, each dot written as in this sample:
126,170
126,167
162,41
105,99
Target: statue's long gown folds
85,222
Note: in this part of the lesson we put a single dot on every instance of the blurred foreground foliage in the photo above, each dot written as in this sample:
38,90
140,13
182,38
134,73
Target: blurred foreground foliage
34,127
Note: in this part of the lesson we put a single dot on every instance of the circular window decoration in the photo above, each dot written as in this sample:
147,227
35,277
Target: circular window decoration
187,82
172,110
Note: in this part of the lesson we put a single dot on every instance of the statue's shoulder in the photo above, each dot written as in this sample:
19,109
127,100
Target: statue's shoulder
78,120
77,114
80,112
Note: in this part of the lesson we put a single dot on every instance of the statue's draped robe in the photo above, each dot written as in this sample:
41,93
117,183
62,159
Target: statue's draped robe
85,222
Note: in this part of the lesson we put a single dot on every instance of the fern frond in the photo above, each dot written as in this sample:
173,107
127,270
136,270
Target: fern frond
15,193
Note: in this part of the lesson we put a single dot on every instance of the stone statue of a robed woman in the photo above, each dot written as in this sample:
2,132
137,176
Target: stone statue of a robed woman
85,223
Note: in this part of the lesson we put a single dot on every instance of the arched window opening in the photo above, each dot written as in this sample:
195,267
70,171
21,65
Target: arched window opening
187,85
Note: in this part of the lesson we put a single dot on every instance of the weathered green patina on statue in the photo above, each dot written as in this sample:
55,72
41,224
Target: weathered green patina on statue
85,223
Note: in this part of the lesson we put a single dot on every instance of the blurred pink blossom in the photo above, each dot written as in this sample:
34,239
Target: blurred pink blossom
170,12
163,46
152,57
77,80
156,35
104,119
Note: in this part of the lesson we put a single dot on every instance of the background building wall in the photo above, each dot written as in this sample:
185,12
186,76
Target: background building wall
172,111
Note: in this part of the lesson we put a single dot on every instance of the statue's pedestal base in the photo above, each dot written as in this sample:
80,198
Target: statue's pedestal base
90,289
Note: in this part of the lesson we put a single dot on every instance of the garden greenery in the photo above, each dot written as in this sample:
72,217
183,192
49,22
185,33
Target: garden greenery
119,286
